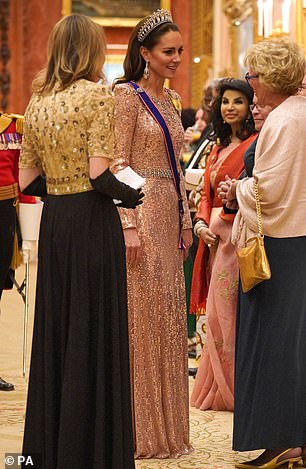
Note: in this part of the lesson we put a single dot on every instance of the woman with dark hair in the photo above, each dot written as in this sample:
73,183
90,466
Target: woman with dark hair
157,236
78,408
215,274
188,116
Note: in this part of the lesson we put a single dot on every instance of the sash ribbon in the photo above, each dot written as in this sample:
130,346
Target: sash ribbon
145,98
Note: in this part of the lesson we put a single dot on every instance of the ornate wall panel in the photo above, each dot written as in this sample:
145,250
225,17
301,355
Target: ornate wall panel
30,24
202,44
282,19
301,23
114,13
237,13
181,13
4,54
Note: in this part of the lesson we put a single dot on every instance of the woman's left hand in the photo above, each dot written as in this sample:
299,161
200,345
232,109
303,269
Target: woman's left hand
187,238
227,191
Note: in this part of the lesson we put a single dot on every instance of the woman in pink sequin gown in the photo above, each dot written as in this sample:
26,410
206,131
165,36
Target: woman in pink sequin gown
156,295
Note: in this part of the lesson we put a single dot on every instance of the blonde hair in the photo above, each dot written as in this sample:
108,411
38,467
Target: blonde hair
280,64
76,49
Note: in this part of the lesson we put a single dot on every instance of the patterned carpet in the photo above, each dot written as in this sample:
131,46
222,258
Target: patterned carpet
210,431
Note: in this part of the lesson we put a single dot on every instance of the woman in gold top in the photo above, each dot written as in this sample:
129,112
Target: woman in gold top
78,410
156,296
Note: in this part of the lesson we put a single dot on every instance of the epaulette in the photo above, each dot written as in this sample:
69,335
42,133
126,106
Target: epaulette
5,121
9,117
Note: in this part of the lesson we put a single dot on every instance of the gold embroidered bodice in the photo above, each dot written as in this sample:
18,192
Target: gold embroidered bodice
63,129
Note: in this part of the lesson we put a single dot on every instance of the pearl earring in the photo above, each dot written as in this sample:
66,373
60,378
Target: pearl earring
146,71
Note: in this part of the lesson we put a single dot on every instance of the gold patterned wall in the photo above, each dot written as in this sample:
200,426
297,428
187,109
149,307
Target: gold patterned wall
110,13
201,40
237,12
296,19
301,23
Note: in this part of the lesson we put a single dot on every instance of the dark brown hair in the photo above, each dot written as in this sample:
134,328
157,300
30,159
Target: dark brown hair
222,130
134,63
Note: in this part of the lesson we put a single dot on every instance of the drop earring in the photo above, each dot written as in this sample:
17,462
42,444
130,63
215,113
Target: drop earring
146,71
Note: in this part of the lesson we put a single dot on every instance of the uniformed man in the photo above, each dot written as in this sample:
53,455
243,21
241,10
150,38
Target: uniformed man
11,126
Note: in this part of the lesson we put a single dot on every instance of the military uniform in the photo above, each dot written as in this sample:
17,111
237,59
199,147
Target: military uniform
11,126
10,144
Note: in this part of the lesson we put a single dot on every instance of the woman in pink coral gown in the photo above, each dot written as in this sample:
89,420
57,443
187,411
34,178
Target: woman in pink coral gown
156,295
215,274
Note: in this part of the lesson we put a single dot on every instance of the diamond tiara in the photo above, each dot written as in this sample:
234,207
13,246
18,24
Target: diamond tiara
154,20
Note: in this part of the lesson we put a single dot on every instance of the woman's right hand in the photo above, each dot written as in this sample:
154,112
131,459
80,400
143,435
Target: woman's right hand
133,248
191,199
208,236
188,135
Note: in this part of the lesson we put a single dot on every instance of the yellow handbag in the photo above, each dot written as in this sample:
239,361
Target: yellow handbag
253,262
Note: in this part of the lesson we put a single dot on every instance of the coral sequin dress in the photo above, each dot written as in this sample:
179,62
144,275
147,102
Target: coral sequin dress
156,294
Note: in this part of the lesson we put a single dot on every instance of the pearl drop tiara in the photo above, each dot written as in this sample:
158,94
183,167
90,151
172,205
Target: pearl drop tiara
154,20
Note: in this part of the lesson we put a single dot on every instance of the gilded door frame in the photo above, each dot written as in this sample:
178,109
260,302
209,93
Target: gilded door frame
114,21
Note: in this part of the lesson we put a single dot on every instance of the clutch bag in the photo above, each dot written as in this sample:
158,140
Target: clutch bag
253,261
193,178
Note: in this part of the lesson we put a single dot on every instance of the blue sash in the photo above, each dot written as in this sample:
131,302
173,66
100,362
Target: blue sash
169,147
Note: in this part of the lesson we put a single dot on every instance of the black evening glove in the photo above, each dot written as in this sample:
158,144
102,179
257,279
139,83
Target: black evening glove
37,187
107,184
132,205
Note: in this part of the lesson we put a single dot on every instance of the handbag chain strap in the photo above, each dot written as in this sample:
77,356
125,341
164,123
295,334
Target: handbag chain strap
258,209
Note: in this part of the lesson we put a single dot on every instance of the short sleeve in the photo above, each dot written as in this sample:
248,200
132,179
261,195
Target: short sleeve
29,156
100,123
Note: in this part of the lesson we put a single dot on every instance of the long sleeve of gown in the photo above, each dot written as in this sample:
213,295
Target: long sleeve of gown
125,121
187,223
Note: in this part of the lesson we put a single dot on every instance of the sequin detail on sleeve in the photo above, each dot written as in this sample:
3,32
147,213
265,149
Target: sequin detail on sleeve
29,156
100,132
63,129
126,108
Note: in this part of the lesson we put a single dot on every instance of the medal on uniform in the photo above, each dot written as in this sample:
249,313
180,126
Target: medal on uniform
1,142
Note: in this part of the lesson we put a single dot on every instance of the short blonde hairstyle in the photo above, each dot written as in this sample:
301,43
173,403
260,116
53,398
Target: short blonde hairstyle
76,49
280,64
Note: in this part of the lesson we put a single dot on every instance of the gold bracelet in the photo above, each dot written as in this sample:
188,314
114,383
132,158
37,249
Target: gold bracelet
198,227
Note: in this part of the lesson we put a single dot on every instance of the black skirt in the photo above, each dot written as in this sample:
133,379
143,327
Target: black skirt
78,409
270,372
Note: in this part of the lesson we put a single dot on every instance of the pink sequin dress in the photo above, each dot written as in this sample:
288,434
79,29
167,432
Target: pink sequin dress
156,294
